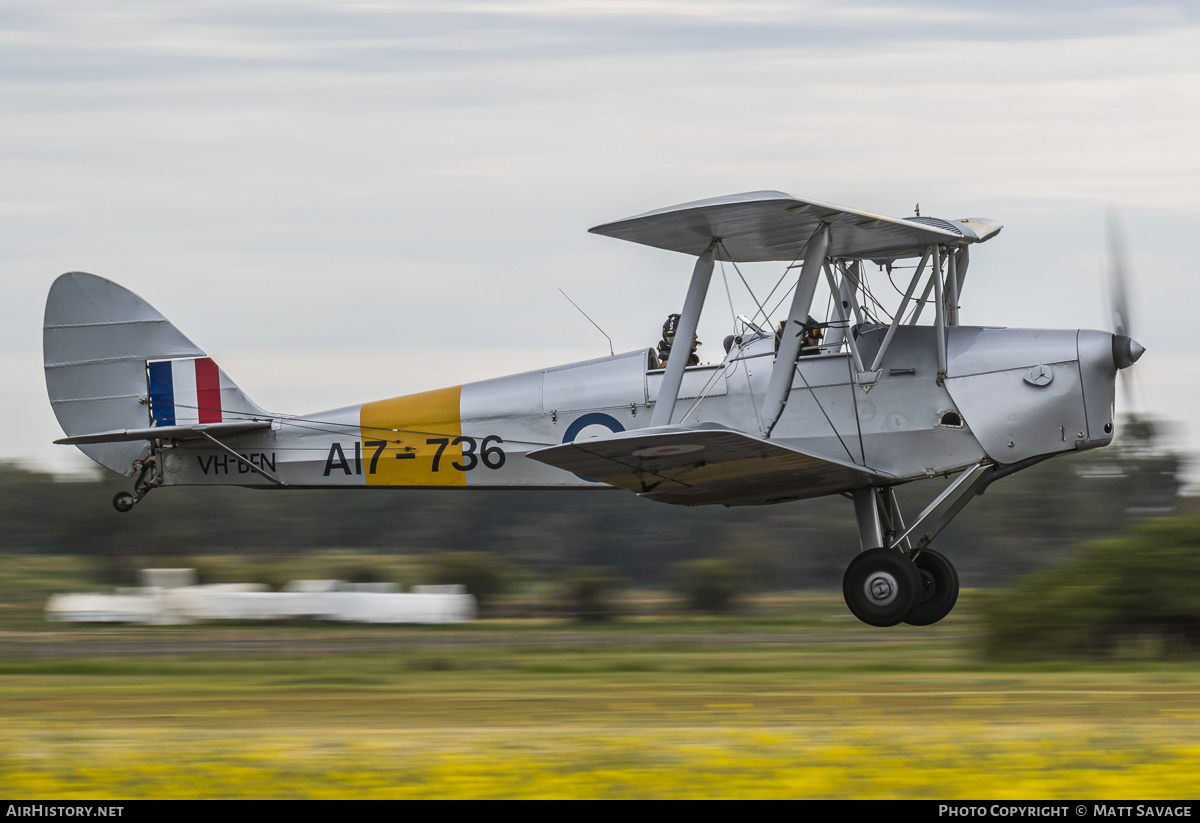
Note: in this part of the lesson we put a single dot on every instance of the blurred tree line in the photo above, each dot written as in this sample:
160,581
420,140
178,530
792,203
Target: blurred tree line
1022,523
1128,597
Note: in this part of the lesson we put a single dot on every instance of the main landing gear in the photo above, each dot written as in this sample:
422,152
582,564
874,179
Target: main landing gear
939,589
884,587
896,579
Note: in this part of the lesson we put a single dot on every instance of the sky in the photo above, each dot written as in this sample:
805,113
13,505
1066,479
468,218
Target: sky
346,201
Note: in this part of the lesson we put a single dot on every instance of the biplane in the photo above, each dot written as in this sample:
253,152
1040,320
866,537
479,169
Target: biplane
883,398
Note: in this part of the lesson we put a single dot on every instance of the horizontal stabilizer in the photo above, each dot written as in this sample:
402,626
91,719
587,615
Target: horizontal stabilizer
771,225
194,431
707,464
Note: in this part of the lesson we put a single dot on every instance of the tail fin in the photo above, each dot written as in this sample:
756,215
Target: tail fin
113,362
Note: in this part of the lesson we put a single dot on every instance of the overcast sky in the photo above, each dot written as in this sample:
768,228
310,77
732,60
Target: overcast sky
346,201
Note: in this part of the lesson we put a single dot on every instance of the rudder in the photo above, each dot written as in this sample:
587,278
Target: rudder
111,362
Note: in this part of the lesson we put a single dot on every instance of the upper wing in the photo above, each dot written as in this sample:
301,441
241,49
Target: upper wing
771,225
710,464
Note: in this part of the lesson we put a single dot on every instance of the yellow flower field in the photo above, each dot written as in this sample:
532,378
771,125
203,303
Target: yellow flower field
903,760
906,716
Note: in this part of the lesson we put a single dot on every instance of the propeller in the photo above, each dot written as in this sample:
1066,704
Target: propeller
1126,350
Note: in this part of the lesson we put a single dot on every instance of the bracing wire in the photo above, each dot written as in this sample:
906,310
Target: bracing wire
333,427
781,299
737,269
817,400
778,283
729,297
866,290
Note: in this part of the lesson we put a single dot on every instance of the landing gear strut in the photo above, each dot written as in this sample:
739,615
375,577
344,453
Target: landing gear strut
892,580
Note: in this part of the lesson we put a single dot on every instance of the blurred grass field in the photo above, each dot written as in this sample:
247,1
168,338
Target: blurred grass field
791,699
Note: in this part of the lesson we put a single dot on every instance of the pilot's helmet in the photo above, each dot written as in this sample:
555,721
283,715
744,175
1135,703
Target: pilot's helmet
813,329
669,327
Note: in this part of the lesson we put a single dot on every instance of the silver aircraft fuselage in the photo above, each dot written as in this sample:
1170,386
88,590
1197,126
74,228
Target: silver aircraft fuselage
1008,395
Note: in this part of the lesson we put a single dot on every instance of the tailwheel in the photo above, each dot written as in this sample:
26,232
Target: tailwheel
882,586
939,589
149,477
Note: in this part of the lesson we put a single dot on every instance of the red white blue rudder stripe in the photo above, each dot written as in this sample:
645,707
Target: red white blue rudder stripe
185,391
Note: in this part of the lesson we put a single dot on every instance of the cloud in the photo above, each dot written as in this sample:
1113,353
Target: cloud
421,173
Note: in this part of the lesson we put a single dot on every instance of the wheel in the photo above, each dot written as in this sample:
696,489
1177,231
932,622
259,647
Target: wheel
123,501
939,589
881,586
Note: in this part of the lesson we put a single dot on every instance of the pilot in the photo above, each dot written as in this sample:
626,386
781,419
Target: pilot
813,334
812,341
668,340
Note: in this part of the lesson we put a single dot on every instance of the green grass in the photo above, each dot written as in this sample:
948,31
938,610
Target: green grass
618,721
791,698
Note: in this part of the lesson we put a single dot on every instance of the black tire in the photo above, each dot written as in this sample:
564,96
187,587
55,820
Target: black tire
881,586
123,501
939,589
